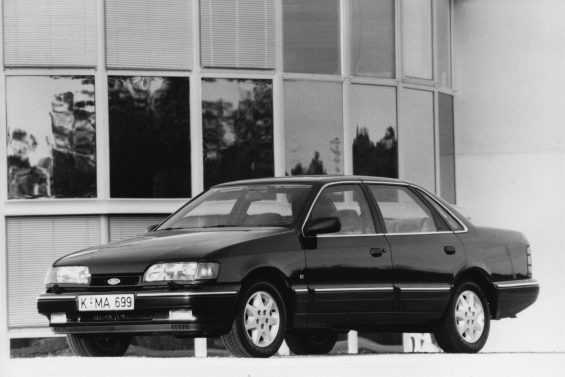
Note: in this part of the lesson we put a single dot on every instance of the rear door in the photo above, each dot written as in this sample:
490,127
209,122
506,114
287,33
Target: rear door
426,254
349,272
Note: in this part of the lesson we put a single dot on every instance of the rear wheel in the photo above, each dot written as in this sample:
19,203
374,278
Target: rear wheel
99,344
316,342
466,324
260,322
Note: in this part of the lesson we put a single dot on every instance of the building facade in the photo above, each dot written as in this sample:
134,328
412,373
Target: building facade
115,112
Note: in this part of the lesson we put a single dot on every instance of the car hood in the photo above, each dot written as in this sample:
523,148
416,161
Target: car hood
136,254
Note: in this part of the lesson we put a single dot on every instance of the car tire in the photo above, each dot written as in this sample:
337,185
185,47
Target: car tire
93,345
259,326
318,342
466,324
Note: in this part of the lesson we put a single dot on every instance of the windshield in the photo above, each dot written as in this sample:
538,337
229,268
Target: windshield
242,206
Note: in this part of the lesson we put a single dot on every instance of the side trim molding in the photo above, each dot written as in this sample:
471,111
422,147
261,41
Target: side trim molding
184,294
516,283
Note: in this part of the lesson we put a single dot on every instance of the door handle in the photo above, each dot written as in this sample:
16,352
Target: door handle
378,251
449,250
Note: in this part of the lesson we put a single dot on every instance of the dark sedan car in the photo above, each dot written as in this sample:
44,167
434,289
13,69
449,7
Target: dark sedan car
299,259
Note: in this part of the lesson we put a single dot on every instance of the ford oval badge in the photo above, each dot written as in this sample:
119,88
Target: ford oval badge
114,281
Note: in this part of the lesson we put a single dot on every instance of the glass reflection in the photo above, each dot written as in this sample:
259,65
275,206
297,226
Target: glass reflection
51,137
311,36
373,121
149,137
446,148
313,127
372,38
237,122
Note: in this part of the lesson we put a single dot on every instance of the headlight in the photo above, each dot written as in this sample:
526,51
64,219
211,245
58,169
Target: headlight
181,271
68,275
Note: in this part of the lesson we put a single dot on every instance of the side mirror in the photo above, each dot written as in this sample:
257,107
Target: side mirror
322,225
151,228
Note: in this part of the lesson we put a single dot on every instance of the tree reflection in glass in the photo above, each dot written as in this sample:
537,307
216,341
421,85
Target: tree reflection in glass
51,137
237,122
149,137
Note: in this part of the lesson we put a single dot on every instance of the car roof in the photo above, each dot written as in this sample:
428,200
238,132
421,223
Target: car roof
313,179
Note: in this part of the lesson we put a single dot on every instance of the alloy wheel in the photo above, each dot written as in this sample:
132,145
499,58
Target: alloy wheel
469,316
261,318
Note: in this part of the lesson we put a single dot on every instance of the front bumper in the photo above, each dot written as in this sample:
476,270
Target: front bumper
513,296
212,312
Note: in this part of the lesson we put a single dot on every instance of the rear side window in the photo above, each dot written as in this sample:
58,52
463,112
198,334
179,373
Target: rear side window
402,210
446,216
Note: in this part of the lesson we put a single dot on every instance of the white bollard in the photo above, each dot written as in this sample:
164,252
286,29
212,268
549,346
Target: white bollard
200,347
284,350
352,342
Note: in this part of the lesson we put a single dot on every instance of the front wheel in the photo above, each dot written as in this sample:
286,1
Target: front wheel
259,326
315,342
466,324
98,344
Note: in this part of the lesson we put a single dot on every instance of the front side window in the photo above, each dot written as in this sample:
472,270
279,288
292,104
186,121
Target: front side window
242,206
348,203
402,210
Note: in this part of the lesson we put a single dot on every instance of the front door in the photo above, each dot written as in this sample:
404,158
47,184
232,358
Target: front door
349,272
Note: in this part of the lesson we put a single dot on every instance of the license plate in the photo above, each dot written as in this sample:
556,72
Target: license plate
96,303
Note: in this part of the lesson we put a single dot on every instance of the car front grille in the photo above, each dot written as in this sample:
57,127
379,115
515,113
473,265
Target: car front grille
103,281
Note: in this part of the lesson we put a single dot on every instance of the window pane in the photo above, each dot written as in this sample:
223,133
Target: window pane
149,34
51,137
444,42
237,121
373,130
49,33
242,206
311,36
32,244
417,38
348,203
402,211
238,33
149,137
446,148
372,38
313,127
416,137
449,219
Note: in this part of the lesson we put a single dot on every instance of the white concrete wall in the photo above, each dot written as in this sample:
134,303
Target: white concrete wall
510,145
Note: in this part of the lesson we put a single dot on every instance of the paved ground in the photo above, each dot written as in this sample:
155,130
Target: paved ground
388,365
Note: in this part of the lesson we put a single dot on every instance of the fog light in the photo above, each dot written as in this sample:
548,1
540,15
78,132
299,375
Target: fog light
181,315
58,318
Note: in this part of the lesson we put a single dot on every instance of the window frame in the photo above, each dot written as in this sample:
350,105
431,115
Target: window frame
427,198
438,220
368,197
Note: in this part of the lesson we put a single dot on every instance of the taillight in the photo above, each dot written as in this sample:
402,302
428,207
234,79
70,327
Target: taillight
529,254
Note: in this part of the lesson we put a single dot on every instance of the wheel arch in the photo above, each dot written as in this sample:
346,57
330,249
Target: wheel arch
274,276
481,278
